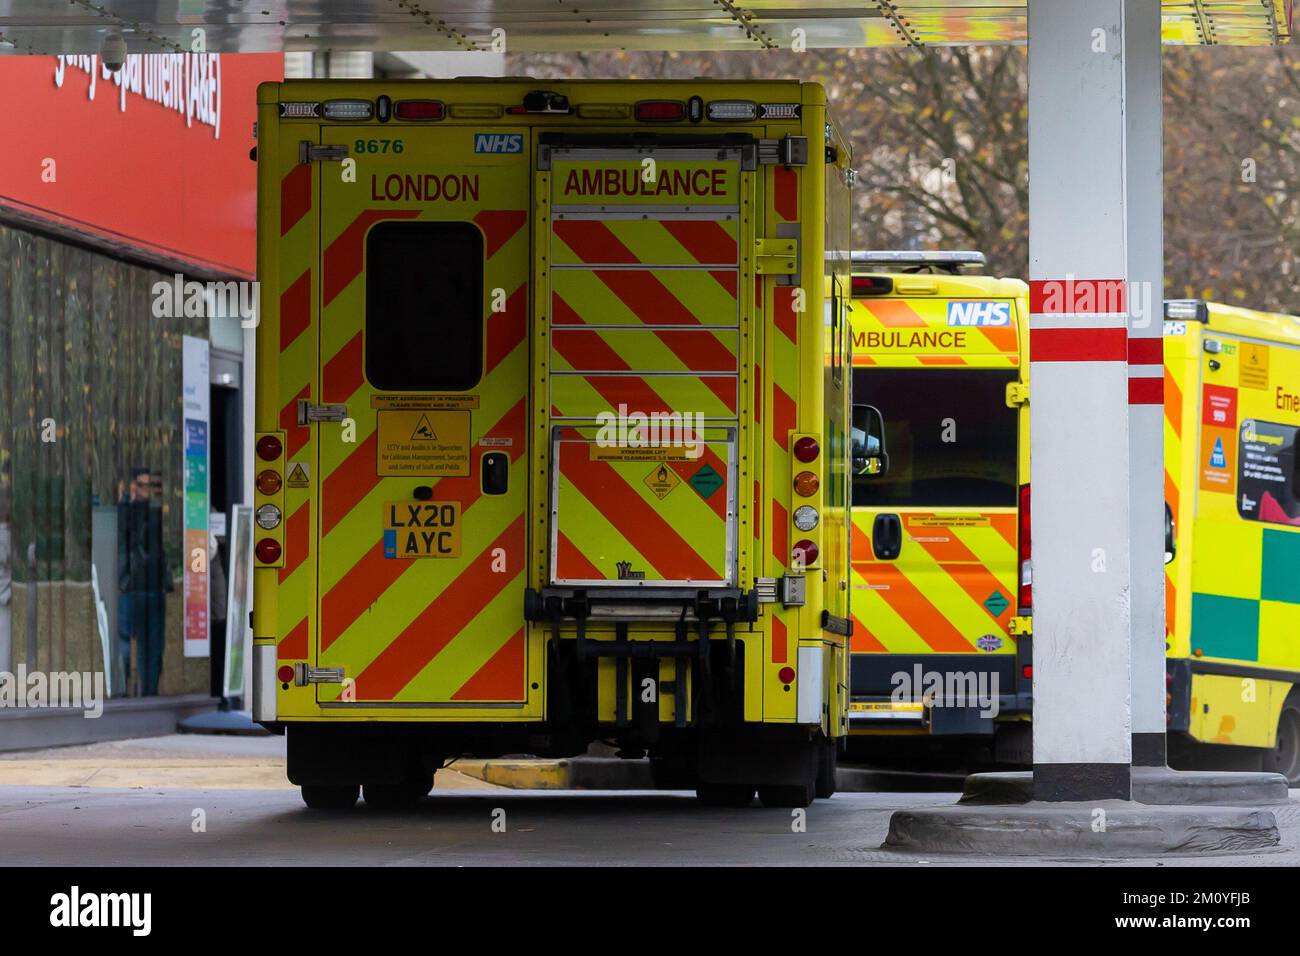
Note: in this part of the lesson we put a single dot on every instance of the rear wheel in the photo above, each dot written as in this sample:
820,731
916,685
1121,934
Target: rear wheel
397,796
724,794
328,797
1284,758
788,795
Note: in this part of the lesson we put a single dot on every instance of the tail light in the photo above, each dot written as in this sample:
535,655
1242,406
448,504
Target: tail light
1026,592
806,449
268,551
785,675
269,448
804,554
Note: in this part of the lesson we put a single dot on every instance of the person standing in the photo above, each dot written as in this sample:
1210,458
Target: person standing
143,580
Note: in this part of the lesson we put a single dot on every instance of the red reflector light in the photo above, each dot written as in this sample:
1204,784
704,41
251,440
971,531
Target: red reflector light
268,550
806,449
1027,672
269,448
872,285
804,554
285,674
785,675
659,111
418,110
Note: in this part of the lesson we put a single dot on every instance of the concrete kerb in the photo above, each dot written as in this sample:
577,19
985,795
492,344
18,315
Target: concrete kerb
1113,829
1172,812
1152,786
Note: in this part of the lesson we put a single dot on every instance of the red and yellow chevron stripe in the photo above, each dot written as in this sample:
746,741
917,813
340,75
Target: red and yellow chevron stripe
940,595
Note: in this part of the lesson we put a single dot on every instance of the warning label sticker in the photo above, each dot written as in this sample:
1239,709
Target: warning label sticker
423,442
1252,366
423,402
642,452
662,480
298,476
947,521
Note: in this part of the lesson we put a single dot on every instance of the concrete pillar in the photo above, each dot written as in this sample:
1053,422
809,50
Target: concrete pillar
1085,241
1144,169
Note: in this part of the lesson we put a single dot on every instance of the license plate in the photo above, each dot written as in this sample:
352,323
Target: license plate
422,529
886,710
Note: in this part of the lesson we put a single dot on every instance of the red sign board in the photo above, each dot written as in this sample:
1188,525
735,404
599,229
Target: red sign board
153,157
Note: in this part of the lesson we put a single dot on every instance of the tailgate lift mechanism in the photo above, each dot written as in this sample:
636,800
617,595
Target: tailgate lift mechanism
623,606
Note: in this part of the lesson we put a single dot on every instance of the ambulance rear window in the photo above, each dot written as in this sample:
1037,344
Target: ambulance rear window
951,438
424,306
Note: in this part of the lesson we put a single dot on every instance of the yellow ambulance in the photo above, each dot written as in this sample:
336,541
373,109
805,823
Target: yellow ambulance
1232,542
552,412
941,560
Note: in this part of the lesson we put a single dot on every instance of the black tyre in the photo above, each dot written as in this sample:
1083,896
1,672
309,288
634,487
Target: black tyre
1284,758
397,796
788,796
329,797
724,794
827,761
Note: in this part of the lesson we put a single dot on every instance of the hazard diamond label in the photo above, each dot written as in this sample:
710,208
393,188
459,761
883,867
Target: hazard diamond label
662,480
298,476
706,481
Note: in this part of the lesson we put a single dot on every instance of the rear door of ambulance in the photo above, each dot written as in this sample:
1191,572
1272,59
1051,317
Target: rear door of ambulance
934,538
643,364
422,486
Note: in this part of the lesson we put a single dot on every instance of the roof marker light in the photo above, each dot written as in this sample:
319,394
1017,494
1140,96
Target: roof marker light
660,111
732,111
418,110
604,111
349,109
299,110
778,111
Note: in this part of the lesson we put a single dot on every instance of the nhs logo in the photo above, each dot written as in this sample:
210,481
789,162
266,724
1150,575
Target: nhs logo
979,313
498,142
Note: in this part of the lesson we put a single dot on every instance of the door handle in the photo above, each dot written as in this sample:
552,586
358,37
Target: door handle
496,473
886,537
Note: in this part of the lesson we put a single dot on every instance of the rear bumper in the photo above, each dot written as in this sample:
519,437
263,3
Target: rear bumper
938,694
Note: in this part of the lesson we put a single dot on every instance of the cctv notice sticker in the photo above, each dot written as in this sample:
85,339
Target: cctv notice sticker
423,442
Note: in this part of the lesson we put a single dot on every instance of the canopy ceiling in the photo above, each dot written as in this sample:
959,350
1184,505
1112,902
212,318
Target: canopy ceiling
78,26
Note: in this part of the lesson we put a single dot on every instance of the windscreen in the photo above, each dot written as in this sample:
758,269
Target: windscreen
950,438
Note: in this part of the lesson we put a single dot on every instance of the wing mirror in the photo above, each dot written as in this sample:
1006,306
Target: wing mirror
870,457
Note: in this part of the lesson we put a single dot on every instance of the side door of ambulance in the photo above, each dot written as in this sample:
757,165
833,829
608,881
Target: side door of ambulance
423,304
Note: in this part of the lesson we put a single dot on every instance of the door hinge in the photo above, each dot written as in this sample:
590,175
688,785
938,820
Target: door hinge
309,152
786,151
1017,394
776,256
1021,626
309,413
